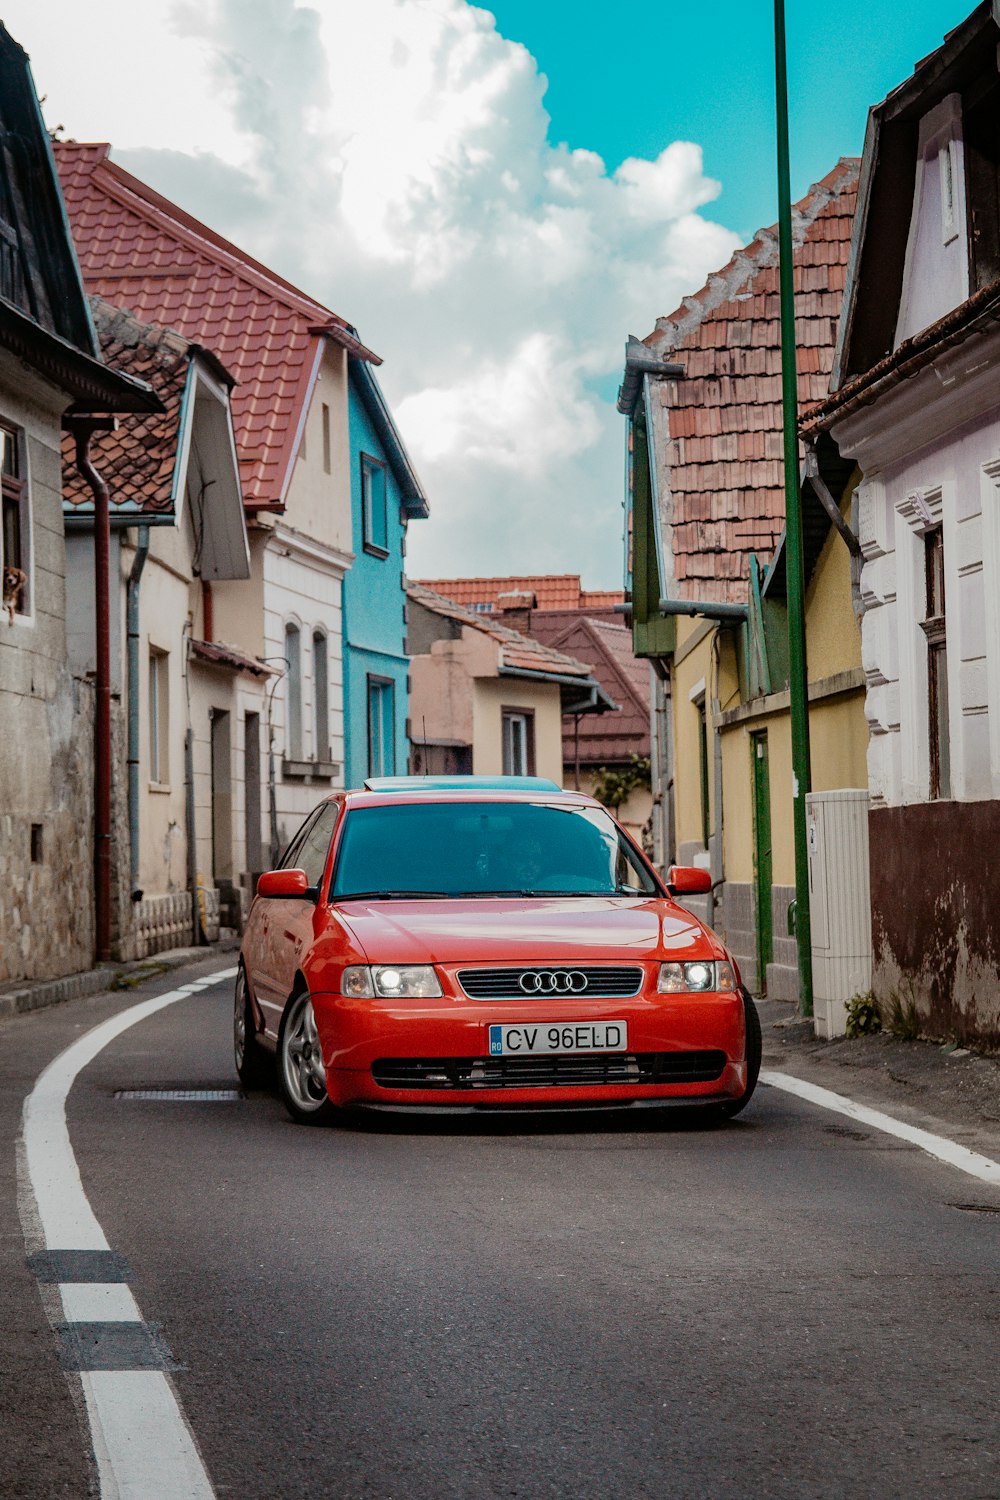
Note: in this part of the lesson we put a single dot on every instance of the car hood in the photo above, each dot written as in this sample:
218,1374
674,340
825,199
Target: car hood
551,929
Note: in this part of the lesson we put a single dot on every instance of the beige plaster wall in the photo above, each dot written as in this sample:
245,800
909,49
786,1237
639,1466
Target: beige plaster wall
319,504
491,695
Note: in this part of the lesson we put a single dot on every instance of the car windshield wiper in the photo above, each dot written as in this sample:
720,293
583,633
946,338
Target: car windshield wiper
394,895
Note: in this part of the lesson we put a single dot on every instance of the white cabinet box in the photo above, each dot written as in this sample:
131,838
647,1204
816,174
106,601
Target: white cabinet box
840,904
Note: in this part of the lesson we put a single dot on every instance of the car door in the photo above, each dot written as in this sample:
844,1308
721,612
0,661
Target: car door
260,943
290,921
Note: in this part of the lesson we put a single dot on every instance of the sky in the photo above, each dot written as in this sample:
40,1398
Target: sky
496,198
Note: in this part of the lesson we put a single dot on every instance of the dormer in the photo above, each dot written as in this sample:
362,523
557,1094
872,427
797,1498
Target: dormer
927,231
936,268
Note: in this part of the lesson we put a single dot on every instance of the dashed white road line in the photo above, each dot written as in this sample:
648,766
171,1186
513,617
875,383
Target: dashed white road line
143,1445
970,1162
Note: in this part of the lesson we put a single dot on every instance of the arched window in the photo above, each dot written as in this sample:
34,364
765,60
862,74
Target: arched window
321,698
293,693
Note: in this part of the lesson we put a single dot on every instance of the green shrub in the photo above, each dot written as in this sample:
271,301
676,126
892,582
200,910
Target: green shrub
863,1016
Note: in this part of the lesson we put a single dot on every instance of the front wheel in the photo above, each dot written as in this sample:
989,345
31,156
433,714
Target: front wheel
754,1048
253,1062
301,1074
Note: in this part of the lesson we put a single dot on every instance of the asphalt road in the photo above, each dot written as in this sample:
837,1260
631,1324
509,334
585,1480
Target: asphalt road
781,1306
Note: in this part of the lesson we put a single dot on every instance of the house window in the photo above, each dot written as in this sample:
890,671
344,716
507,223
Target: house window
381,727
16,529
933,626
159,717
293,693
327,456
373,506
518,731
321,698
706,826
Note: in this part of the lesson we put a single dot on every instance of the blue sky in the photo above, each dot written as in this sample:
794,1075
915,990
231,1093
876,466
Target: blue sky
625,87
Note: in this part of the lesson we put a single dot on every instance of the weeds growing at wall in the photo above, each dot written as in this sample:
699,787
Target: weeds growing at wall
863,1015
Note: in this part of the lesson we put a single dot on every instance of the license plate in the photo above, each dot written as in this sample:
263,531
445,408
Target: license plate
558,1036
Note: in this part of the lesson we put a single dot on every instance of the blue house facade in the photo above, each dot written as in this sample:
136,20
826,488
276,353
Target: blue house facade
385,496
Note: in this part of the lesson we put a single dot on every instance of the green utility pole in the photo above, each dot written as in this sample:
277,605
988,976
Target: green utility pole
794,570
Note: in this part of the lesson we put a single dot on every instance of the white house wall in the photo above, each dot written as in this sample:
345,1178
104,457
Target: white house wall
307,592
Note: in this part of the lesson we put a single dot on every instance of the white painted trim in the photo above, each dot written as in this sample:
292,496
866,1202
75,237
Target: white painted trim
697,693
990,492
939,1146
143,1445
940,135
284,539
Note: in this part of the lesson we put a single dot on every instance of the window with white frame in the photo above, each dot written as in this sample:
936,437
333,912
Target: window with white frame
293,692
15,532
933,626
321,697
159,717
518,737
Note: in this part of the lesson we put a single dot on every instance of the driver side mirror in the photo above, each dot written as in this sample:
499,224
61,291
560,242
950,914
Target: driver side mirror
289,885
687,880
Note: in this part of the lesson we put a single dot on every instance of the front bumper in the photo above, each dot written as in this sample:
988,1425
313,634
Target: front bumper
448,1037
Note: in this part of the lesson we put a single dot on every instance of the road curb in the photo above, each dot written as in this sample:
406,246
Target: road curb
39,996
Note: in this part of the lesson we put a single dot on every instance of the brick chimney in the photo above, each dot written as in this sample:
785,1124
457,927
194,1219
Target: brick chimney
515,609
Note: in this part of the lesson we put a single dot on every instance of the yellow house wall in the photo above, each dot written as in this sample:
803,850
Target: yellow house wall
693,670
490,696
838,733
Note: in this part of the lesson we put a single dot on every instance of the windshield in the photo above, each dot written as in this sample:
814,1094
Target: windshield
485,849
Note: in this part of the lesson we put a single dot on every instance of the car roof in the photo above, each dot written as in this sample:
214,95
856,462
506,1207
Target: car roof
420,792
473,784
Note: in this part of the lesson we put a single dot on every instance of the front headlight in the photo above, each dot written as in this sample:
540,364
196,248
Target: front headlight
391,981
704,976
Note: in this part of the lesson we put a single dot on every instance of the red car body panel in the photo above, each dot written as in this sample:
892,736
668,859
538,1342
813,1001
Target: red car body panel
290,941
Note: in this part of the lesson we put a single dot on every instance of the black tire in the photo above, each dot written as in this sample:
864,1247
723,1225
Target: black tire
254,1064
301,1075
754,1048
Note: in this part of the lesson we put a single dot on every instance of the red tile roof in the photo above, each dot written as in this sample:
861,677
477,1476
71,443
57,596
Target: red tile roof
517,653
551,591
610,738
142,252
138,459
725,421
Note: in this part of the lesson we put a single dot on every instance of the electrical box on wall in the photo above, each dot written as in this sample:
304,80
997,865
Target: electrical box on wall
840,904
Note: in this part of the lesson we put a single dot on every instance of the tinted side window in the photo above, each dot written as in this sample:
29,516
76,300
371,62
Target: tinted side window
290,858
313,849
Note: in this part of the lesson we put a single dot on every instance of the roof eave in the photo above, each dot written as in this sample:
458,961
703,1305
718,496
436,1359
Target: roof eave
93,387
411,490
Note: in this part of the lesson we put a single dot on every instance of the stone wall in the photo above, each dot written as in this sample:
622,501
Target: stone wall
46,878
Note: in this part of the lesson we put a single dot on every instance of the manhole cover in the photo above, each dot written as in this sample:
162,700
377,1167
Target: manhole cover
183,1096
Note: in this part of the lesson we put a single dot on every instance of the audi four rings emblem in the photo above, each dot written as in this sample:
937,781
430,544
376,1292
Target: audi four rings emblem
553,982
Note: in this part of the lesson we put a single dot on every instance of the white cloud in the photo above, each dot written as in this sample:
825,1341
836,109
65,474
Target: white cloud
393,158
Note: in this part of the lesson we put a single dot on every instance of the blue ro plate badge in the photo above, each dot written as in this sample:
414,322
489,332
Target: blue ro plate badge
540,1037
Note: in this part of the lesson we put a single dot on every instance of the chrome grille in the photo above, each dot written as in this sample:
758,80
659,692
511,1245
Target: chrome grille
602,983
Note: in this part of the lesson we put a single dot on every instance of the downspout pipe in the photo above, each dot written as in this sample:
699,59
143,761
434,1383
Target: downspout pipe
83,429
132,631
709,609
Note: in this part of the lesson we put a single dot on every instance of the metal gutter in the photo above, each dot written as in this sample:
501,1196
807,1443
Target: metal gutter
641,361
563,680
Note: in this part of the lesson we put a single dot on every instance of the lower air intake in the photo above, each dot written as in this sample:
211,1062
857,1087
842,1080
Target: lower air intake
609,1069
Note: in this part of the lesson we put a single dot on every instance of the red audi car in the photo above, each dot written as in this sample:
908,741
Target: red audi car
471,944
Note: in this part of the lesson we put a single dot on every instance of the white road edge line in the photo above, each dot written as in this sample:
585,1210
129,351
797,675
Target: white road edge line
970,1162
144,1447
